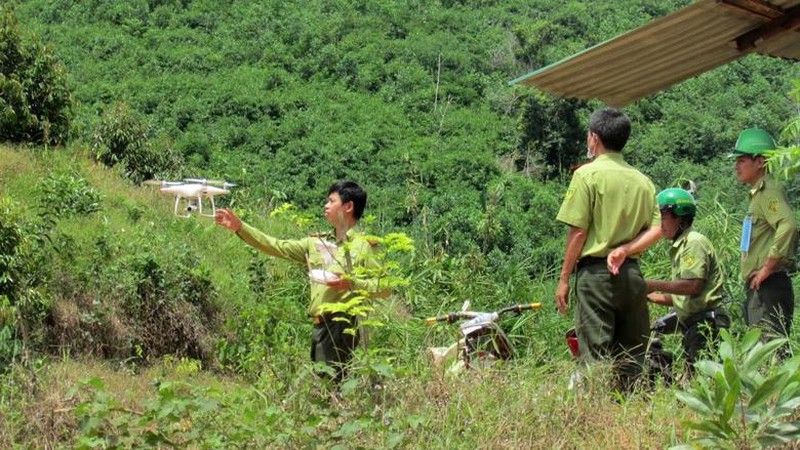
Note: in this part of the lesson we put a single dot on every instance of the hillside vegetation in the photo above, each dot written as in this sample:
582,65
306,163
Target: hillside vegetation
122,326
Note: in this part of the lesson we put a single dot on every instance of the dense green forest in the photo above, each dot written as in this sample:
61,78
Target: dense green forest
411,99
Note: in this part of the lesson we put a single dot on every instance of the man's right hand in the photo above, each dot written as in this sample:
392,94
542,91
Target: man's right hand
562,296
228,219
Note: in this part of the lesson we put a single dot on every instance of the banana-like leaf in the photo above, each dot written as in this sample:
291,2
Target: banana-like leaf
756,356
694,402
769,390
730,401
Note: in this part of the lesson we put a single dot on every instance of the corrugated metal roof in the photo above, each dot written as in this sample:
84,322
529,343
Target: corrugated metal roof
690,41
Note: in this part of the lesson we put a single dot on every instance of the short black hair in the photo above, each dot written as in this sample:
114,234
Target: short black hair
350,191
612,126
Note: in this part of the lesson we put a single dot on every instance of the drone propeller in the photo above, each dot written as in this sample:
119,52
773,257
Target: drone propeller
220,183
162,183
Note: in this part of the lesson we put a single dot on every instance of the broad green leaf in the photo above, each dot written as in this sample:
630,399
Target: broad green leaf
750,339
694,402
729,402
731,374
767,391
790,431
755,357
709,427
725,350
708,368
349,386
791,365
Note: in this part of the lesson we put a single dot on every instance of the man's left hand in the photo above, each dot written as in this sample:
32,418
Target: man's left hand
615,260
342,284
562,296
759,277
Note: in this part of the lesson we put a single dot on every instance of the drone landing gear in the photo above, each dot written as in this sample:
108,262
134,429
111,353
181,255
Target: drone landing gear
193,205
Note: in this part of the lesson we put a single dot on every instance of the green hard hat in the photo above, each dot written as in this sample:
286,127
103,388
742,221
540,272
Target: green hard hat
676,200
753,141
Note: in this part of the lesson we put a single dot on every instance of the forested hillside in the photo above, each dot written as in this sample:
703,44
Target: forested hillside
411,99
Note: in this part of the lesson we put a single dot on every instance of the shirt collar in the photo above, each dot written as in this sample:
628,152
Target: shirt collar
759,185
614,156
682,238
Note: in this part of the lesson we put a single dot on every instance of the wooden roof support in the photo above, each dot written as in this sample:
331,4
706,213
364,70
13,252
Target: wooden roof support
788,22
752,8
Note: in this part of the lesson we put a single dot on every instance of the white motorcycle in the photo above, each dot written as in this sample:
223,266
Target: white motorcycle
482,342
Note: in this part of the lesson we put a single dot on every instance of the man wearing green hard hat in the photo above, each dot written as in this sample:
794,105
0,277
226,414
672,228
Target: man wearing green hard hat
696,288
769,235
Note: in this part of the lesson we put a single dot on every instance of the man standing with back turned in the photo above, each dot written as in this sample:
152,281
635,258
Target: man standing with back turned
768,241
611,211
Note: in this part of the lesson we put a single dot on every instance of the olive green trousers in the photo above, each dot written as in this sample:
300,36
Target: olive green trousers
612,320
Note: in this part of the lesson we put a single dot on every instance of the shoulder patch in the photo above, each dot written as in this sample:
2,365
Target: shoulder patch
570,193
688,260
773,205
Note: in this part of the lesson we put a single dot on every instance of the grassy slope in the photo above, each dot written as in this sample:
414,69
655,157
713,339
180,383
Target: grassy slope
527,407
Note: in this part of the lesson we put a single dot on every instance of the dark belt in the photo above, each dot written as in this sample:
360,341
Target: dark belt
717,315
591,260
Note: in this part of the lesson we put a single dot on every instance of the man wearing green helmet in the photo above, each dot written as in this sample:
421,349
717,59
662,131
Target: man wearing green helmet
696,289
769,235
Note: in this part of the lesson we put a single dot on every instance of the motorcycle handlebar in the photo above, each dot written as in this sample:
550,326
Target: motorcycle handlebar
452,317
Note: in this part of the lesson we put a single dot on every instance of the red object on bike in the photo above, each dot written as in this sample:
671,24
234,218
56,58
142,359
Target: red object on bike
572,342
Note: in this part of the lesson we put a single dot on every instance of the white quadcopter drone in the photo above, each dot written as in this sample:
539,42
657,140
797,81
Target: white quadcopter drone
190,193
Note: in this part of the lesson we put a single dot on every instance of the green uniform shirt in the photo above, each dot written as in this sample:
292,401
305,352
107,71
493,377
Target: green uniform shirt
774,231
693,257
354,252
612,201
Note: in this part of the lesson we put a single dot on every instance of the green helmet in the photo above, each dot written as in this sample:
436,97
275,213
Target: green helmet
753,141
677,200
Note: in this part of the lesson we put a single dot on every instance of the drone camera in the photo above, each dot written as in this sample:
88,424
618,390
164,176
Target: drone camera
191,208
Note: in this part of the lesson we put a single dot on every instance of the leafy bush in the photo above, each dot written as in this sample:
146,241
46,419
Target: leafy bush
70,194
746,400
123,137
35,101
167,420
11,237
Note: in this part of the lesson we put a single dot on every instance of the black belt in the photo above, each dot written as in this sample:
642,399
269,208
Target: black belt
717,315
590,260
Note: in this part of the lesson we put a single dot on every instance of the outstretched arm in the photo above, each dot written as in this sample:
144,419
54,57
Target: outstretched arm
640,243
228,219
293,250
689,287
660,292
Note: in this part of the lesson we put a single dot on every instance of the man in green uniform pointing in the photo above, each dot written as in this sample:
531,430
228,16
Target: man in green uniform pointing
769,235
610,209
333,261
697,286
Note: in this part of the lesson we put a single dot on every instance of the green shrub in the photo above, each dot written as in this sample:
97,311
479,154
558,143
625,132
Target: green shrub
123,137
11,238
35,101
746,401
65,195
